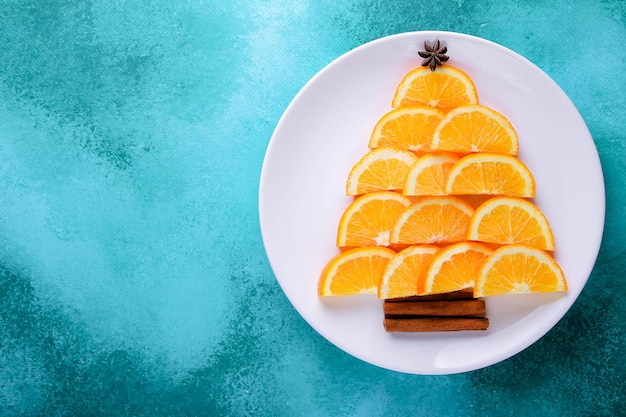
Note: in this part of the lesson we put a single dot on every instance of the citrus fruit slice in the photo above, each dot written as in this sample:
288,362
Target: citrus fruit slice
491,174
368,220
433,220
355,271
381,169
507,220
518,269
410,128
446,88
404,270
475,129
453,268
428,174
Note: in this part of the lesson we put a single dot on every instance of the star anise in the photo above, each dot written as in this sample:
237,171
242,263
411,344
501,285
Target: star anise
434,55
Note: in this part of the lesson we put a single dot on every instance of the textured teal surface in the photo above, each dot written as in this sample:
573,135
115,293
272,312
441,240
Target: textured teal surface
133,279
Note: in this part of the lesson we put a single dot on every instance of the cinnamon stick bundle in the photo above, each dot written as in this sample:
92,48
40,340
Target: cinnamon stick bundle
454,311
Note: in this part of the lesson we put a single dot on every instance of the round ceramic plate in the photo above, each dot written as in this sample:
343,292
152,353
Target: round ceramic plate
325,130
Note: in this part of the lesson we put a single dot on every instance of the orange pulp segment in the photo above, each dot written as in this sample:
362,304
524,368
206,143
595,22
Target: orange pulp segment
355,271
518,269
404,270
410,128
454,268
508,220
383,168
368,220
428,174
490,174
433,220
475,128
444,89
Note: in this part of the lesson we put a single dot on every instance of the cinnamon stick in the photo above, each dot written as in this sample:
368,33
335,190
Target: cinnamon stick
466,294
435,324
456,308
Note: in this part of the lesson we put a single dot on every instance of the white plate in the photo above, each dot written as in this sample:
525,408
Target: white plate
325,130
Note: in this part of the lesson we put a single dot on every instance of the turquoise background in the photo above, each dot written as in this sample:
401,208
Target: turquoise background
133,279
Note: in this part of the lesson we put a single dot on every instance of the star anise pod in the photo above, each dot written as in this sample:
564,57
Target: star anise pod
434,55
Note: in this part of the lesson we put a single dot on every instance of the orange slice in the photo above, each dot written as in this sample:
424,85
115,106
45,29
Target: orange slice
433,220
507,220
491,174
454,268
428,174
381,169
404,270
410,128
475,129
515,269
369,219
355,271
446,88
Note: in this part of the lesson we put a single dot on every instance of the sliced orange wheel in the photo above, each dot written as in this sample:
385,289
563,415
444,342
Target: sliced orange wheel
519,269
490,174
446,88
454,268
409,127
404,270
381,169
433,220
475,129
369,219
355,271
507,220
428,174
